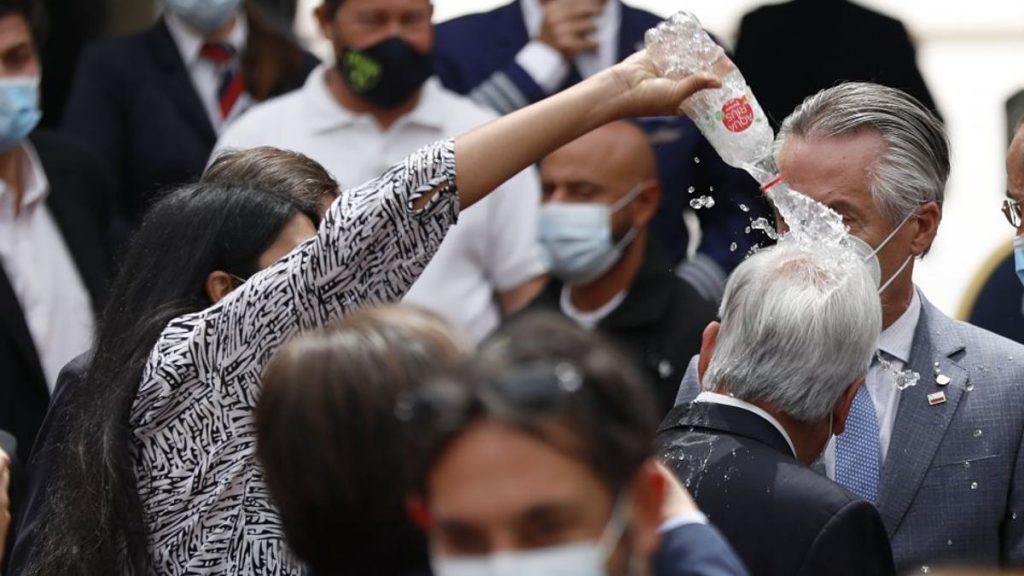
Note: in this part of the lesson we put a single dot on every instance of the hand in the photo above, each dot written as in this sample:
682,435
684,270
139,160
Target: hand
569,24
677,500
643,91
5,502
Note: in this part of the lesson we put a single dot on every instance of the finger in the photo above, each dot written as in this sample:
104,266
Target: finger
577,45
578,28
692,84
572,13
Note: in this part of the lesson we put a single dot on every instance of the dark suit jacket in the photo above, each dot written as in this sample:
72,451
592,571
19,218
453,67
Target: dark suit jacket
780,516
659,324
134,103
480,49
695,550
790,51
76,201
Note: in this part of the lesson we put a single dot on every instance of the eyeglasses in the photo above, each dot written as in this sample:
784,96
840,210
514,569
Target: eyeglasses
1012,210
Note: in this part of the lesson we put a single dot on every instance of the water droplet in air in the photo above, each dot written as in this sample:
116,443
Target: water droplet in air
746,230
744,208
702,202
696,160
691,190
967,464
970,387
974,485
949,542
977,433
711,188
733,247
763,225
1013,516
925,569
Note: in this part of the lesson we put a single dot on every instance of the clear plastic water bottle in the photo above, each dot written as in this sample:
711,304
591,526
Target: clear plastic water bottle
729,117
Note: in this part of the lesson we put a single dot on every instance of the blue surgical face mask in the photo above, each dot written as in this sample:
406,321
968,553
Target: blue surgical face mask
577,238
1018,256
203,15
577,559
19,109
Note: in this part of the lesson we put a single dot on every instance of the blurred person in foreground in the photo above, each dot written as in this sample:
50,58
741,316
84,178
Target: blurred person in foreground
333,451
536,457
938,447
186,386
780,371
599,195
376,104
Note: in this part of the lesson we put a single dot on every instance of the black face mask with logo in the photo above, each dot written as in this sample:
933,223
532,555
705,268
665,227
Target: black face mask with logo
387,73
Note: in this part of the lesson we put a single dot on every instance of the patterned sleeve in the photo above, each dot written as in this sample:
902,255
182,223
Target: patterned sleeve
372,245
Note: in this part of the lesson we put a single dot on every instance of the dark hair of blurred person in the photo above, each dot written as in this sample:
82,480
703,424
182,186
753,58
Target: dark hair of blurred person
332,450
194,246
307,182
540,445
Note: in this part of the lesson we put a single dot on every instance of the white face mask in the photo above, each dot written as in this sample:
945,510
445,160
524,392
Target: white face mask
870,255
203,15
577,238
576,559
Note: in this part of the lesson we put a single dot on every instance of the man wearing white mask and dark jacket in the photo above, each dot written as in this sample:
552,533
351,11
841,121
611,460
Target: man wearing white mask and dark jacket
599,194
53,257
152,104
375,105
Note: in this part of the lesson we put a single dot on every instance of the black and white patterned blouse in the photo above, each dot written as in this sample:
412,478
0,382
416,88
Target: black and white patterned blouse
205,502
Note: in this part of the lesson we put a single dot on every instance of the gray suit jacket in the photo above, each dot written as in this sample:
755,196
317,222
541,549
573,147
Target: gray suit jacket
952,488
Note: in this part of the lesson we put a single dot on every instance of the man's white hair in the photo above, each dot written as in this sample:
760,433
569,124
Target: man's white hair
798,326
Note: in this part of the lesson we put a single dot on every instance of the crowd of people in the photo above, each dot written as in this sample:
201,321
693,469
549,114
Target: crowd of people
431,308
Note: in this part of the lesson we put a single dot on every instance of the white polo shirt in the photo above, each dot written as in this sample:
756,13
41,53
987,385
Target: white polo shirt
493,247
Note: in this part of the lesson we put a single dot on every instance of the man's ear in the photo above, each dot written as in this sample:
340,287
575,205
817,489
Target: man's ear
707,348
417,511
841,411
322,15
649,492
646,204
928,218
218,285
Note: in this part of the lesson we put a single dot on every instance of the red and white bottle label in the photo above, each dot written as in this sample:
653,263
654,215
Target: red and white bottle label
737,115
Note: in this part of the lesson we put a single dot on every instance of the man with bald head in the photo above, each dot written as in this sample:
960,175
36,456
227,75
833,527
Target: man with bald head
599,194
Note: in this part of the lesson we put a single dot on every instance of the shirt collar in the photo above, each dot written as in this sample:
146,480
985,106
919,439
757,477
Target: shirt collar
325,113
190,42
716,398
898,339
34,180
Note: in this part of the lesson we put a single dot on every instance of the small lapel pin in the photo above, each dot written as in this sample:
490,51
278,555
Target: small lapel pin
936,398
942,380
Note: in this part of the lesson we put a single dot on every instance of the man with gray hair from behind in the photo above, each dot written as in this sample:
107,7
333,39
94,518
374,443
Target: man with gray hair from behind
798,328
934,438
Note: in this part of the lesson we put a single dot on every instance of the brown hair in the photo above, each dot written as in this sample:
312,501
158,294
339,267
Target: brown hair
283,171
332,449
273,62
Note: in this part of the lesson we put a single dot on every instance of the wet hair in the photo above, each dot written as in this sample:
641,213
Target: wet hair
93,521
915,166
332,450
552,380
307,182
798,327
34,13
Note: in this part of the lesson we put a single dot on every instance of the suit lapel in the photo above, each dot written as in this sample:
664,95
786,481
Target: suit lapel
177,83
920,427
12,319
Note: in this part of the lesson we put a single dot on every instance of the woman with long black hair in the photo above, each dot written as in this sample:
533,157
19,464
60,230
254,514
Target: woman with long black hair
169,482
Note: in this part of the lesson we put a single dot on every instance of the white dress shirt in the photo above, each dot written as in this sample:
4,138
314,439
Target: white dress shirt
206,75
546,65
493,248
896,342
716,398
45,280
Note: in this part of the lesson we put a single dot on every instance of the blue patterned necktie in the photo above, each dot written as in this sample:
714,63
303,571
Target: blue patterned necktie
858,451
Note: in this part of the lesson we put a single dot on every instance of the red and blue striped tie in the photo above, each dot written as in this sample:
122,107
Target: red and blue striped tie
231,85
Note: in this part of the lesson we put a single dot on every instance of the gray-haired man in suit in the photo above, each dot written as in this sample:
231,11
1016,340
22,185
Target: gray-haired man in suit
935,439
